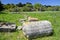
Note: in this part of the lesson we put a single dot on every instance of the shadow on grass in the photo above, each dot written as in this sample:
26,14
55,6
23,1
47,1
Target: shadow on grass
3,13
39,37
6,31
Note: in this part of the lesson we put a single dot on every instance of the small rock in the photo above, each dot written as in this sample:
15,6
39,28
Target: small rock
19,27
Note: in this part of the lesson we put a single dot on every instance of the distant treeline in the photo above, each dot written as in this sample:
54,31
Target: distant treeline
19,7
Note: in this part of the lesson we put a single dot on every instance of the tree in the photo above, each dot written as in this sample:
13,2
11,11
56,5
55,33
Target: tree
9,6
19,4
55,8
1,6
49,9
28,6
37,6
43,8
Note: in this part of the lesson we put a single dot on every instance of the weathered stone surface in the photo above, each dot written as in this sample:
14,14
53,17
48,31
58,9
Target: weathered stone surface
5,27
38,28
32,19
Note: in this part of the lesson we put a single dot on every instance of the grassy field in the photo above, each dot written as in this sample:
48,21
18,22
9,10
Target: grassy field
52,16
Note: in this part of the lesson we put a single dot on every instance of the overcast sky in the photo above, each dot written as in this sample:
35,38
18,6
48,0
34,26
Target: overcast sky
44,2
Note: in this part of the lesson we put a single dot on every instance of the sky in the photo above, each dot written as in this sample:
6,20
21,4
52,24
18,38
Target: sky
43,2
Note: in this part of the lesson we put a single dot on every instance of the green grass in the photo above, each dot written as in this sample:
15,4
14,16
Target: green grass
52,16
